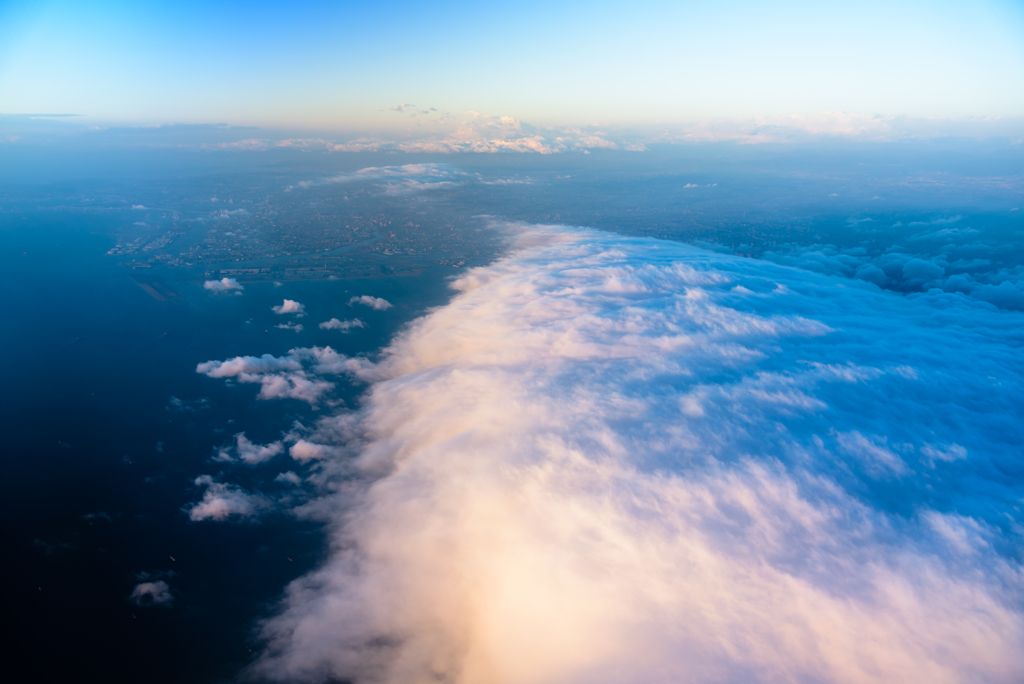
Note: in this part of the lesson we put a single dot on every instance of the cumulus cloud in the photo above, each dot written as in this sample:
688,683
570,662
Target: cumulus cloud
251,453
248,365
344,326
290,306
310,451
614,459
156,593
223,285
279,377
224,501
297,327
375,303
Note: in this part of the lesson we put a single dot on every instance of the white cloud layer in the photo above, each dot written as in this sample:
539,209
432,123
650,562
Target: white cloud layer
615,460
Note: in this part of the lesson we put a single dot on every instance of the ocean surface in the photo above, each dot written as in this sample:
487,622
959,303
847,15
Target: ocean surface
99,461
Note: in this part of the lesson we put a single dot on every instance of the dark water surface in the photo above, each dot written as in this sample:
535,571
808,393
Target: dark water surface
97,464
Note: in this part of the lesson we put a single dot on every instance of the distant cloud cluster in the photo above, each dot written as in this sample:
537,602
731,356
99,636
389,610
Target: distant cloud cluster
429,130
279,377
945,256
473,132
615,458
398,180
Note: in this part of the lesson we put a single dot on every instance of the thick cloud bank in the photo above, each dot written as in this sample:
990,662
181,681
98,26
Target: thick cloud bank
616,460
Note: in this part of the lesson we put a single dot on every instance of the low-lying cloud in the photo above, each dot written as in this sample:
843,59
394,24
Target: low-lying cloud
249,452
615,459
224,501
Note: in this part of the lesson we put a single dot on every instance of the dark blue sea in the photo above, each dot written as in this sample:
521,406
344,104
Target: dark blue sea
98,462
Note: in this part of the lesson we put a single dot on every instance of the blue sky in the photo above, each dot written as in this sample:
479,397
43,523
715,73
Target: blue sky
340,66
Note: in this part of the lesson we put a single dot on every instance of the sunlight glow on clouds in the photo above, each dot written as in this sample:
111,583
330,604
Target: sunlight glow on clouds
290,306
615,459
222,285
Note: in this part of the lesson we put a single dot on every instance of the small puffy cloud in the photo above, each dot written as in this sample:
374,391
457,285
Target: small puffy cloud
375,303
344,326
401,107
248,365
290,306
138,207
156,593
223,501
288,478
279,377
297,327
223,285
252,453
303,451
